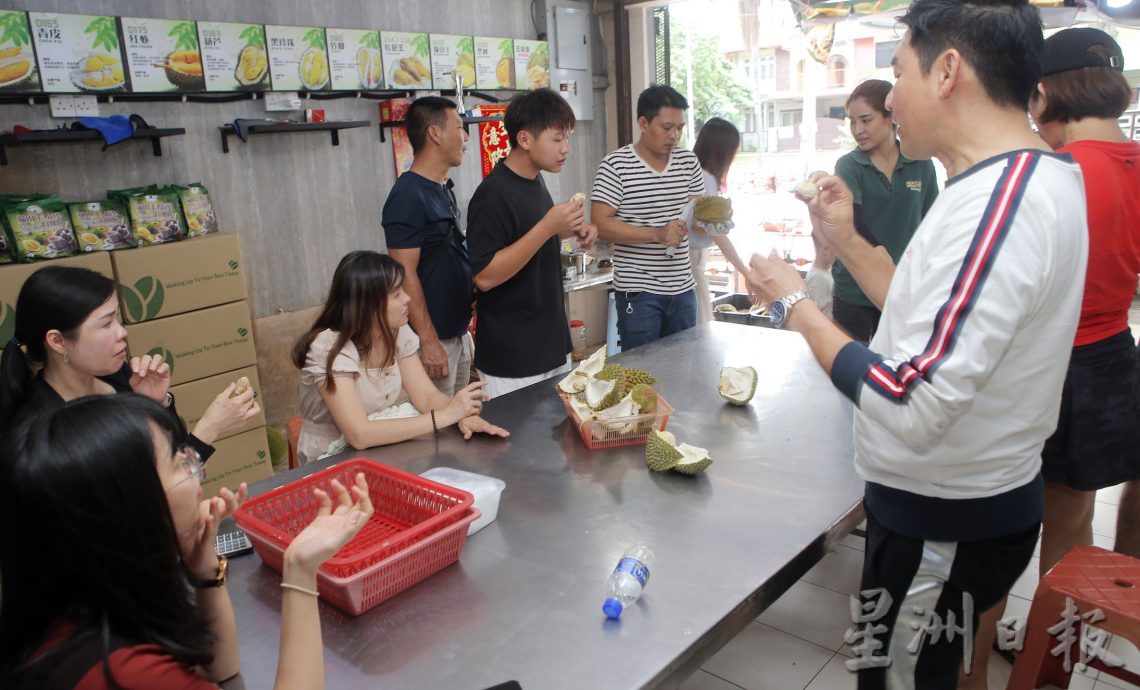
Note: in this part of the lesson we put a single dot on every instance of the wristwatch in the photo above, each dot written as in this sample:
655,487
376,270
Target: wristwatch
781,308
220,579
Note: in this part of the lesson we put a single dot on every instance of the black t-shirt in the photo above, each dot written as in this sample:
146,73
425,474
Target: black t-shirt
521,329
418,214
42,397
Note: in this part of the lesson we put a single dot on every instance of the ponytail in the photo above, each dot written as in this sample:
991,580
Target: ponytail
15,382
54,298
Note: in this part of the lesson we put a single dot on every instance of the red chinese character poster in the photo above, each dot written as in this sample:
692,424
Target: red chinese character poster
493,143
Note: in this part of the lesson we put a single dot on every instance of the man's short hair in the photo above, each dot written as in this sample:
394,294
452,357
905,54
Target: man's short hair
424,113
656,97
1000,39
535,112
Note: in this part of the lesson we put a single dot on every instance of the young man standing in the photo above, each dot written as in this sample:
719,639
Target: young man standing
421,227
961,384
639,193
514,231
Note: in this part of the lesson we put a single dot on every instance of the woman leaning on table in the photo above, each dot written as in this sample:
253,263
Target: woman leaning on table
67,325
113,581
892,193
1076,106
360,356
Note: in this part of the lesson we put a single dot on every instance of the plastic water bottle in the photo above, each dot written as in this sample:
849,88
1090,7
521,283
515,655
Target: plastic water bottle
628,580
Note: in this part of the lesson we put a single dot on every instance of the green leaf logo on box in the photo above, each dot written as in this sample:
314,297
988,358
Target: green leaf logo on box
243,332
7,323
233,265
144,301
261,454
167,356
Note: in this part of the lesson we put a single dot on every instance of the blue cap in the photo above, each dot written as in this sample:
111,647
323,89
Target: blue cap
612,607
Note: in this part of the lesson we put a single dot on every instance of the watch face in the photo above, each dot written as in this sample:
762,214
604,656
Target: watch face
779,313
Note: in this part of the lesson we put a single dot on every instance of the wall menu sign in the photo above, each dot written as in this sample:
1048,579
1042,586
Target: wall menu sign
79,53
163,55
234,57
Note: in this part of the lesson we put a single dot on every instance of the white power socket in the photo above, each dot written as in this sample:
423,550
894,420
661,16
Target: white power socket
74,106
275,102
86,106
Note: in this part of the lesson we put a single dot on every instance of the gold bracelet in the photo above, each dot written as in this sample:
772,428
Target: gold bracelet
286,585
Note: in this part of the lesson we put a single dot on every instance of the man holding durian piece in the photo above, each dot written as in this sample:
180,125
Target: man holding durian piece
640,192
514,230
961,383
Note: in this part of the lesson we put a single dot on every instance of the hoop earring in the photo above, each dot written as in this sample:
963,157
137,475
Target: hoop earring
66,359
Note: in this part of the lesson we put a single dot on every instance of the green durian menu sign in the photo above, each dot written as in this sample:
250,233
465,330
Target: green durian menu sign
234,56
162,55
297,58
18,70
354,59
78,53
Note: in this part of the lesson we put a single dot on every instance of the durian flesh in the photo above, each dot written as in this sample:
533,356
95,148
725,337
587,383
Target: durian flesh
737,385
574,383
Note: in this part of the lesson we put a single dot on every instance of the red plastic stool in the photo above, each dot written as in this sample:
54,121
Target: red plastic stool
1094,579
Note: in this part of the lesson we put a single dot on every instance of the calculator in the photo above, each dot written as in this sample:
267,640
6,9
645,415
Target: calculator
233,543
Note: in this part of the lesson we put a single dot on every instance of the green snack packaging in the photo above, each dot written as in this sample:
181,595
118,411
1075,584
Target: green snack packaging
197,209
155,214
100,226
5,250
38,228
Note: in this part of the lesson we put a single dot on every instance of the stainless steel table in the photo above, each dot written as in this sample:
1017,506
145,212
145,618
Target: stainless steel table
524,602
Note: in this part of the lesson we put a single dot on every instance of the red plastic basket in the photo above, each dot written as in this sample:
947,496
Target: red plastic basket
406,509
619,431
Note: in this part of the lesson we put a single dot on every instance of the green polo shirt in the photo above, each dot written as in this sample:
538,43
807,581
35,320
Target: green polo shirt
892,209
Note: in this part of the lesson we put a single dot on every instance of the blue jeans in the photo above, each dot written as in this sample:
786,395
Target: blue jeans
644,317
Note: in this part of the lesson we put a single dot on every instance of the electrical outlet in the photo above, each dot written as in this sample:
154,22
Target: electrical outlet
86,106
282,101
62,106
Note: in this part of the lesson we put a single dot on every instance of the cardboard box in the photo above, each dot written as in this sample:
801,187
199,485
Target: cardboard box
199,344
168,279
193,398
12,277
237,459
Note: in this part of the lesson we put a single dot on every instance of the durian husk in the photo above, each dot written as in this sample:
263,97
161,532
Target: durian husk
660,453
610,372
736,396
613,397
645,397
636,376
693,460
712,209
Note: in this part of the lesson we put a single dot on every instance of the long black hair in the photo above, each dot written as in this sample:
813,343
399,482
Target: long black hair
54,298
716,147
92,542
357,301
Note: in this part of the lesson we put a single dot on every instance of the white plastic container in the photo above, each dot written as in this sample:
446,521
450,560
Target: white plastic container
486,491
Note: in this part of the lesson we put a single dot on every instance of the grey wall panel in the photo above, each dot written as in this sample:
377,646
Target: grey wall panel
297,203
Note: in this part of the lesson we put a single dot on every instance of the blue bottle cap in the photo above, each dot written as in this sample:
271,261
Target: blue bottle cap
612,607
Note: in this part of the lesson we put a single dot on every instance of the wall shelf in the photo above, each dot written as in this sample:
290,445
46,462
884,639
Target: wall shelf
68,136
333,128
467,121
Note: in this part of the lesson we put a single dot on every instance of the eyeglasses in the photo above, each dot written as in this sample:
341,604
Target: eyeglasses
189,464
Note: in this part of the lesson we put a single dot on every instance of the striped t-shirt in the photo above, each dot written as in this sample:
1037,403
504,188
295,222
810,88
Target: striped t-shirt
646,198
